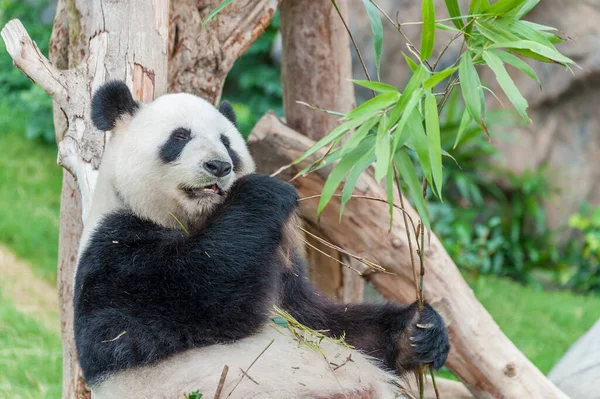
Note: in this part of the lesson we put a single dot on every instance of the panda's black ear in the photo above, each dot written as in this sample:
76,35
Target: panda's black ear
110,102
226,109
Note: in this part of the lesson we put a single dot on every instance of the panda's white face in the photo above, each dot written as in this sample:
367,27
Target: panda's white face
176,158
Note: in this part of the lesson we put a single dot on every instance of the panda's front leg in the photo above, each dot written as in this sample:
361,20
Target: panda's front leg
401,337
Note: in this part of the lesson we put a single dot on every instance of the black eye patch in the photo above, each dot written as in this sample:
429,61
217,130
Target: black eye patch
171,150
235,158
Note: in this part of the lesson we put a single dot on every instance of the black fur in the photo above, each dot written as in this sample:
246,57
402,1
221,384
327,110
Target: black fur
171,292
172,148
235,158
110,102
227,111
381,330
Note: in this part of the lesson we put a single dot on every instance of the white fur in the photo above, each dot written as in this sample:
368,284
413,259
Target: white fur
149,188
285,370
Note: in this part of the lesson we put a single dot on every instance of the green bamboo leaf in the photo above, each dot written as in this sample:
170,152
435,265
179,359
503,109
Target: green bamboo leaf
377,29
409,61
389,189
507,84
525,8
502,7
360,133
437,78
401,134
382,149
531,55
428,33
328,160
539,27
432,124
377,86
454,12
368,108
470,86
476,6
516,62
418,77
462,128
535,47
494,33
409,175
335,134
338,173
361,165
421,144
214,12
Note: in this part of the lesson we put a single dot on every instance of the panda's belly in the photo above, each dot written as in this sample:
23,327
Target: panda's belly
284,370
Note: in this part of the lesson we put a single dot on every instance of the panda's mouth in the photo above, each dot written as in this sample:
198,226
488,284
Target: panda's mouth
196,192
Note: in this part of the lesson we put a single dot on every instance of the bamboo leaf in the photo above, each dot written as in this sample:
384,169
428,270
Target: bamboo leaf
382,149
502,7
516,62
494,33
507,84
377,86
377,29
462,128
535,47
335,134
470,86
525,8
338,173
437,78
389,189
428,34
432,124
360,133
361,165
400,133
409,175
418,77
214,12
328,160
409,61
368,108
454,12
421,144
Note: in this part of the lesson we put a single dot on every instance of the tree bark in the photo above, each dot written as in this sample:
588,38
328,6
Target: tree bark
316,68
484,359
133,41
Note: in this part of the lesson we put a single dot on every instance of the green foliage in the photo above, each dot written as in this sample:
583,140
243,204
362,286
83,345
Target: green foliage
24,107
584,250
194,395
407,121
254,83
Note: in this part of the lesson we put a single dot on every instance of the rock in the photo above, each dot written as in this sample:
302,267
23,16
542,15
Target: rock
578,373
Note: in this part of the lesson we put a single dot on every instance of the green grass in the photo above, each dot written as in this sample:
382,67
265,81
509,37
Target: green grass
30,356
542,324
30,184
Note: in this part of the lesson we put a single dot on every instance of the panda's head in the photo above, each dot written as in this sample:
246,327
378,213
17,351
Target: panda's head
172,160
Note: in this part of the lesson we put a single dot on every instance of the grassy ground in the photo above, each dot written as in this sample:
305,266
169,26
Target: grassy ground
30,201
542,324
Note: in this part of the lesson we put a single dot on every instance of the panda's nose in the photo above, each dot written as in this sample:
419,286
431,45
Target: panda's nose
218,168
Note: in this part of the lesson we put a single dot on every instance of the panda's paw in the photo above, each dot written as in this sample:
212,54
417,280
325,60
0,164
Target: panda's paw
266,190
425,341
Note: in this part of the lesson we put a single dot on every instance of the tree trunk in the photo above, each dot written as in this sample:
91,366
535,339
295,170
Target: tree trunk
484,359
133,41
315,68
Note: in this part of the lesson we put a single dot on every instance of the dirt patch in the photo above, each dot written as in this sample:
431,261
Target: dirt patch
30,295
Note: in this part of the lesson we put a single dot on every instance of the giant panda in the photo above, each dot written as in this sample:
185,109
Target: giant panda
184,255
